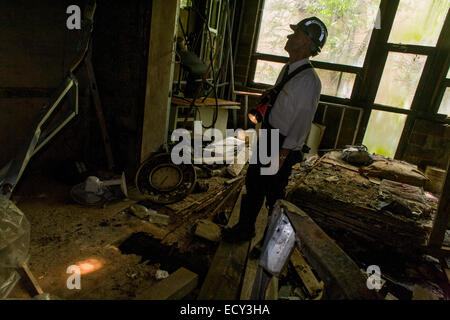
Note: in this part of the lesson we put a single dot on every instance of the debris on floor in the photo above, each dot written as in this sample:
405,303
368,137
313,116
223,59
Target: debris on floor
379,217
176,249
339,197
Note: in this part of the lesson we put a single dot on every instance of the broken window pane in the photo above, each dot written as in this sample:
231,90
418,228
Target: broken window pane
400,78
350,24
383,132
334,83
419,22
445,103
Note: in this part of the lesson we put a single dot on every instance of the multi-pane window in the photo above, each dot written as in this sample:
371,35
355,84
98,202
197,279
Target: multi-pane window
415,32
350,24
419,22
400,78
416,23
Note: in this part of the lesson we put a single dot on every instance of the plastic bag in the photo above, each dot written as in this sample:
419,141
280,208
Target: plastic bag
8,279
14,244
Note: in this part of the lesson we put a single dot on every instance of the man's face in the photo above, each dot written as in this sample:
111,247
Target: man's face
297,42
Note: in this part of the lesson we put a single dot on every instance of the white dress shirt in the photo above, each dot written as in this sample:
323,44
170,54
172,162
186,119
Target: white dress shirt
296,104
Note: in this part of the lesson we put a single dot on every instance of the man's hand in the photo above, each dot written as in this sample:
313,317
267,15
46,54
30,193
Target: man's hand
283,155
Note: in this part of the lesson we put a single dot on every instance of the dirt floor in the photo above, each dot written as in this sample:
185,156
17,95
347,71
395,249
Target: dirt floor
64,233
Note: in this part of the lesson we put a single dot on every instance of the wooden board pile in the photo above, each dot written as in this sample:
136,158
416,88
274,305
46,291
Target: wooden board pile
342,197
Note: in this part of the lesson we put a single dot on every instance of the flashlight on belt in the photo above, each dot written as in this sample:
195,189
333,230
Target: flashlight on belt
256,115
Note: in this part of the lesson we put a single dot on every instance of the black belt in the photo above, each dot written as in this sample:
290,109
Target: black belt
294,156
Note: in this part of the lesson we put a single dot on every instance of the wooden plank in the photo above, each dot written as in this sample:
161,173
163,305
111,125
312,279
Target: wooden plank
252,264
419,293
442,216
178,285
230,181
272,289
208,102
341,275
249,278
390,296
234,217
29,281
207,229
224,276
305,272
447,273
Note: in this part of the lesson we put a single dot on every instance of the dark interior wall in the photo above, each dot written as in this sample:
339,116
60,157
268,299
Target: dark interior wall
120,54
428,144
36,51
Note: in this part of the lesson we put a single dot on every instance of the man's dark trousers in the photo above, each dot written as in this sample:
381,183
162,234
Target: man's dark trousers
259,186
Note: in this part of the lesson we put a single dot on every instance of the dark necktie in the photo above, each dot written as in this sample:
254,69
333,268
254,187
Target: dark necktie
285,75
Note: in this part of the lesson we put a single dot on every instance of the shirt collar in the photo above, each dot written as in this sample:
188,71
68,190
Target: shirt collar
297,64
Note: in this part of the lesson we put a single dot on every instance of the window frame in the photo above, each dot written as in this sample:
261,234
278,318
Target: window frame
429,91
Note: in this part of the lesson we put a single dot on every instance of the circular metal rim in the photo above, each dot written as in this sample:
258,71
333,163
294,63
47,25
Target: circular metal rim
156,157
170,165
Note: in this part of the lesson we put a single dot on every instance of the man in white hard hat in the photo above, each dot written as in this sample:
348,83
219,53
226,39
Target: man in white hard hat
292,105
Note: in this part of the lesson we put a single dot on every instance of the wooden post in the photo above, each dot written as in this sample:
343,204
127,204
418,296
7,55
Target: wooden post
160,67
